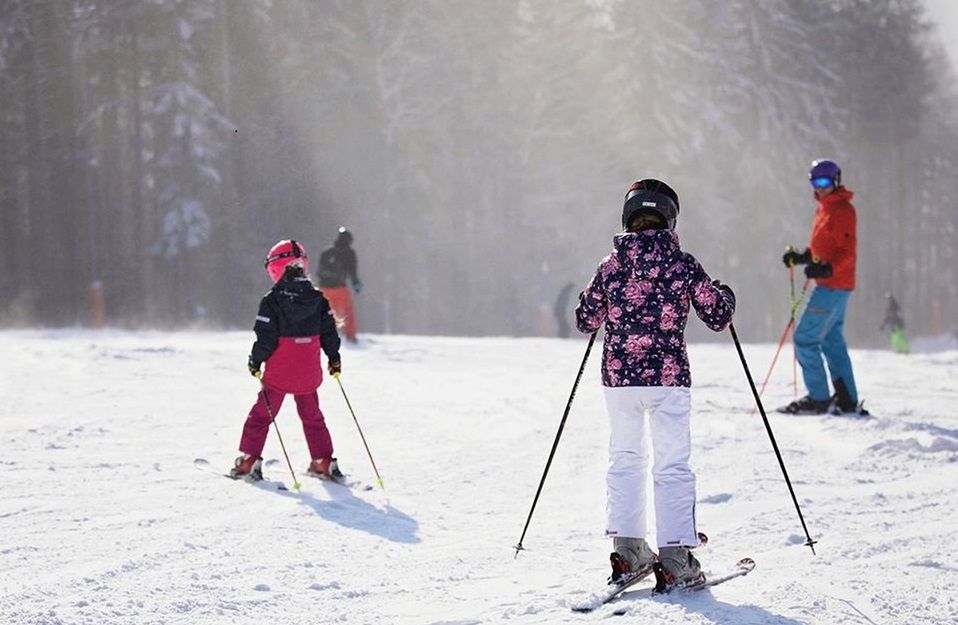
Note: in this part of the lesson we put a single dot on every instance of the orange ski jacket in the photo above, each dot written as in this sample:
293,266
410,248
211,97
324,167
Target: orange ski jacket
834,240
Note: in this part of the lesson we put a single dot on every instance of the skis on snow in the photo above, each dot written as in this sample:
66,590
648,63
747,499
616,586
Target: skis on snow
662,587
613,590
597,600
345,481
204,465
741,568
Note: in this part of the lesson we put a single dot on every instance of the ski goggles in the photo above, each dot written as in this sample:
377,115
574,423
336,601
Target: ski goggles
295,251
822,182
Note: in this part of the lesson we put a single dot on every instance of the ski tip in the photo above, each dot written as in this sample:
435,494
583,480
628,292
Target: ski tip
746,564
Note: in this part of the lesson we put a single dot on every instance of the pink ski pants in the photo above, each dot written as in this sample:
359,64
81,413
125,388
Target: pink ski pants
314,425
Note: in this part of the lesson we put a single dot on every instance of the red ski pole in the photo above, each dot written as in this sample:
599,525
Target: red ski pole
788,328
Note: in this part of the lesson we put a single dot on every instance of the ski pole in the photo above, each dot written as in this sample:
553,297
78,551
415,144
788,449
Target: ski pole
379,480
555,444
272,418
758,402
788,328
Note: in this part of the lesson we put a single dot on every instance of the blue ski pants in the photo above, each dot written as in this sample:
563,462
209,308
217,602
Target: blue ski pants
819,333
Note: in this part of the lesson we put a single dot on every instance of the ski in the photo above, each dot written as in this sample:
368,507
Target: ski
204,465
860,412
596,600
741,568
344,481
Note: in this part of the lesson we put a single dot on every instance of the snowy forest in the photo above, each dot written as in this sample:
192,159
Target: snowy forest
478,151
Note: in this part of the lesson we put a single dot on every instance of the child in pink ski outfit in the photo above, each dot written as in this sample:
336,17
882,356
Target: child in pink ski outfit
294,322
642,293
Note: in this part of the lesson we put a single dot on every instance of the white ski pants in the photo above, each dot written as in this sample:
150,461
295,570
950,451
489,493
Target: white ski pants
669,408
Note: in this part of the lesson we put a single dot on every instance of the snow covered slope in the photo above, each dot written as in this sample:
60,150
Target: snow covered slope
104,519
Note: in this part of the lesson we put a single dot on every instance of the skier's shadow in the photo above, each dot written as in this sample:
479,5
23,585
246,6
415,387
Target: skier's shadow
718,612
346,509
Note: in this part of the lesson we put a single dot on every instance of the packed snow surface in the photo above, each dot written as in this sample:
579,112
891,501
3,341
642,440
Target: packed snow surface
106,520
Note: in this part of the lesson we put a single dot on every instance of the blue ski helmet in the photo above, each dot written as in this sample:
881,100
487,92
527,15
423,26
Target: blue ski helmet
824,168
652,196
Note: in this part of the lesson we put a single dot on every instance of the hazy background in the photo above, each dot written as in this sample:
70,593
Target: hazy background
479,151
943,15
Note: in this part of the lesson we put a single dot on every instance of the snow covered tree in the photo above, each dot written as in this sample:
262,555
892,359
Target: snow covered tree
480,157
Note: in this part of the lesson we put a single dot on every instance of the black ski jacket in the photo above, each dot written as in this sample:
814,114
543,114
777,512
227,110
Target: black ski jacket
336,265
294,308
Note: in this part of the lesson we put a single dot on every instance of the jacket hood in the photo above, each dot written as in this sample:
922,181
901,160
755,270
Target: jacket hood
298,298
630,247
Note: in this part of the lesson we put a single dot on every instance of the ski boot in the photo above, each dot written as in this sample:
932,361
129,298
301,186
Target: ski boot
842,403
247,467
632,558
849,410
807,406
677,568
326,468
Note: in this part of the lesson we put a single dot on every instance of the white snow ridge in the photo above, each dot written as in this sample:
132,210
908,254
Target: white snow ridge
105,520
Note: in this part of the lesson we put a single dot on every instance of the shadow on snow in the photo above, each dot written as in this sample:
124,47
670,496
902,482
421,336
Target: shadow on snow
704,603
346,509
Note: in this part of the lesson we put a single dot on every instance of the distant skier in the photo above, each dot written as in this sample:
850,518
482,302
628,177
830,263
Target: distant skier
895,324
830,261
294,322
336,266
642,293
561,311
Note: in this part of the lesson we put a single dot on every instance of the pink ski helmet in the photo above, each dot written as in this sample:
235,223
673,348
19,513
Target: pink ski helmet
284,253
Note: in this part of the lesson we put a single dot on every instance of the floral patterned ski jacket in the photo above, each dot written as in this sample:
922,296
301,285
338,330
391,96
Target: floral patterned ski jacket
642,292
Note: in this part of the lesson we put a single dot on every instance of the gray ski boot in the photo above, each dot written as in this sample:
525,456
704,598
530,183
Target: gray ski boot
632,557
678,569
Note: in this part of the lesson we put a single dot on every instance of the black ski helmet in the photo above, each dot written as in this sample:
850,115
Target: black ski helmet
345,237
651,196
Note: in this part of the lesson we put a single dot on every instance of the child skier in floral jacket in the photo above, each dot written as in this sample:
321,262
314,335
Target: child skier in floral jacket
642,293
294,322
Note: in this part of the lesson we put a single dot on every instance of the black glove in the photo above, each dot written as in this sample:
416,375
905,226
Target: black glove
253,367
721,286
335,366
792,258
818,270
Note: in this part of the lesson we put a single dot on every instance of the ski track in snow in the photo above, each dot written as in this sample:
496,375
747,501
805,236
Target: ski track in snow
105,520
